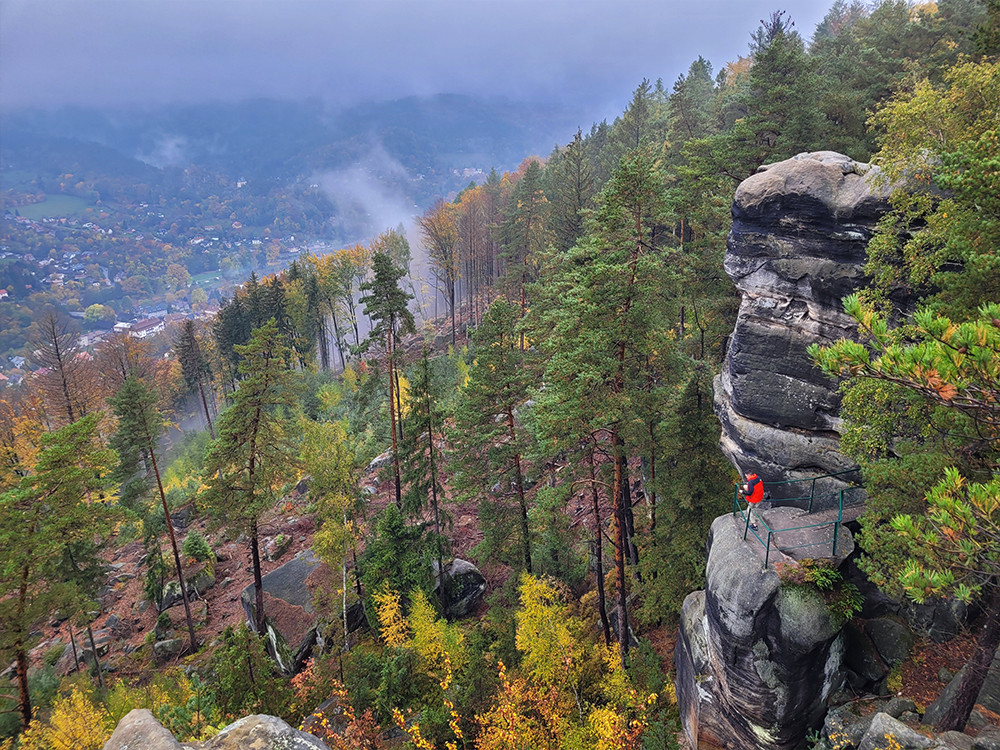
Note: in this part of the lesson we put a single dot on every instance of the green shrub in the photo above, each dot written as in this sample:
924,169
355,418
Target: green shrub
197,547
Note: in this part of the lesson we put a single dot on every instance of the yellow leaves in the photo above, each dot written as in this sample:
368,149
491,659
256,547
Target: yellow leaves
76,723
441,646
395,631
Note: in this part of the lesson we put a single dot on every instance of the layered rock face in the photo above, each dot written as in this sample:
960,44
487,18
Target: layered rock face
755,660
796,249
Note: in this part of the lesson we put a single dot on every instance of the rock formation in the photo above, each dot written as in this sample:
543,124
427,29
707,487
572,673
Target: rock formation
291,618
755,660
796,249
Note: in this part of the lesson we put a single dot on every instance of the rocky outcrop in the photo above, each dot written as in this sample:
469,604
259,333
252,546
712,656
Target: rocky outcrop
796,249
139,730
291,619
755,659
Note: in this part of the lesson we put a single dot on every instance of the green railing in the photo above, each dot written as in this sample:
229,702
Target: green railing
853,497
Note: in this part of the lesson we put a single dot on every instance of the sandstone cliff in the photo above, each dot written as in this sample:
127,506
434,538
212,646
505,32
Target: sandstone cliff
796,249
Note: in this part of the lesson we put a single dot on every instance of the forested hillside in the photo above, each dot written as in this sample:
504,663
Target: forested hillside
540,405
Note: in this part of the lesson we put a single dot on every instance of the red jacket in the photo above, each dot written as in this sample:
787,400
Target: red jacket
753,489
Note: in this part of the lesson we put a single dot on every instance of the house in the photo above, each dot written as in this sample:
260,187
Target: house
147,327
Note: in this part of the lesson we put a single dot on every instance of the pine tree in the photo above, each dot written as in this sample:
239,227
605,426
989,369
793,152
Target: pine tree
488,439
46,512
195,368
422,476
386,304
600,338
140,425
254,454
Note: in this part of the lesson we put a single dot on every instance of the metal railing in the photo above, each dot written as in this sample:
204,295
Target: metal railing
853,495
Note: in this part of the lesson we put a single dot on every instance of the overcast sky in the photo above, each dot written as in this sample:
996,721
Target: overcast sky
587,53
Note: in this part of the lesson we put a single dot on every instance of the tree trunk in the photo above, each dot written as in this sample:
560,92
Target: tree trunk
23,696
392,422
72,642
618,495
976,670
336,335
97,659
519,481
204,404
260,624
173,544
434,496
598,552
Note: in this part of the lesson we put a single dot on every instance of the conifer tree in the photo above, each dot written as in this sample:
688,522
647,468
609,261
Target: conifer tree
254,454
195,367
599,339
140,425
386,304
40,517
489,440
422,476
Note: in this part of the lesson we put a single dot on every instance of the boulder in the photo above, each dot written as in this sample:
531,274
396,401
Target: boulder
168,648
861,656
140,730
755,660
464,587
891,638
989,694
261,732
940,619
292,620
897,706
988,739
955,740
379,461
884,729
796,249
198,579
843,725
276,547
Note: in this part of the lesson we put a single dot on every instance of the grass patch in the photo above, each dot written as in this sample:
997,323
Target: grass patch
55,206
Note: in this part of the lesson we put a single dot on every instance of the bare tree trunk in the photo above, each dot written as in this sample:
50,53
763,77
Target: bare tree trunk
173,543
519,482
598,551
392,423
204,404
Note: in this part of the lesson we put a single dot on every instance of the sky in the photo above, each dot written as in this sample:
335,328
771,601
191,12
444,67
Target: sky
583,53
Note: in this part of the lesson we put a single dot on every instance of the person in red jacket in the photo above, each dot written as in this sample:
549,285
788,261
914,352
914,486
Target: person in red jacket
753,490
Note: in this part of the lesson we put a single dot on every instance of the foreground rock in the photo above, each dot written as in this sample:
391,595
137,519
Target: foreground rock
755,660
139,730
796,249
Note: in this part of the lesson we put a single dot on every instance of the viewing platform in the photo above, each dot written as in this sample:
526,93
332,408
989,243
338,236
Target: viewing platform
789,528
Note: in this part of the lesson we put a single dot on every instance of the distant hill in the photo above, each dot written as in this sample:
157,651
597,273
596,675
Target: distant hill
276,142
